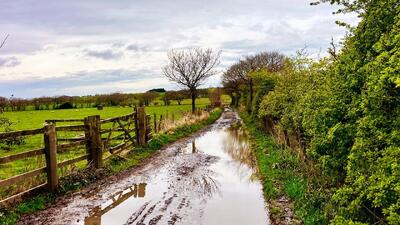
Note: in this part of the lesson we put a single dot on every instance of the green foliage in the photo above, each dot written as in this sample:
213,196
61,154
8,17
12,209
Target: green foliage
8,143
294,188
347,111
264,82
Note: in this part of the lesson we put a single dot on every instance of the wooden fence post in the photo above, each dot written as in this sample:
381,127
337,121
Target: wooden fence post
155,123
148,128
50,145
94,145
135,118
159,123
141,115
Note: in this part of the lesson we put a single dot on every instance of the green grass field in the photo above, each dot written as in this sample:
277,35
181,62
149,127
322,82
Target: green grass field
35,119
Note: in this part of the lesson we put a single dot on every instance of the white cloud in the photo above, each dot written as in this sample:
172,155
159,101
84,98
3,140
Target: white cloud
52,40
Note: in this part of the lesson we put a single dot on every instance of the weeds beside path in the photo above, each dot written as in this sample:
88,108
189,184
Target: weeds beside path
286,186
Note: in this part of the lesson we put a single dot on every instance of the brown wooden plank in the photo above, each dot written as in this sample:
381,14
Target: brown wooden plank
120,146
64,120
117,151
126,132
114,148
125,117
72,161
50,146
15,198
62,147
21,177
20,133
71,139
141,115
22,155
117,137
104,131
71,128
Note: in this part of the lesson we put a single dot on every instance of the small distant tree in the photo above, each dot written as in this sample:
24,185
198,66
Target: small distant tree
168,96
190,68
3,104
178,96
146,98
214,94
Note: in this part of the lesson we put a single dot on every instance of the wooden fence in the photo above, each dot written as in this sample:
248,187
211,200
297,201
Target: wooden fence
101,138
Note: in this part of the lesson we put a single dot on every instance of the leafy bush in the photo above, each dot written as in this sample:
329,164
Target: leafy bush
347,110
8,143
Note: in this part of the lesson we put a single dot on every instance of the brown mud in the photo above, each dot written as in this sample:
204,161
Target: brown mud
208,178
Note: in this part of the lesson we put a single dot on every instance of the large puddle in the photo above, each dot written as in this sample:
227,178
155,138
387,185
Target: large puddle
210,181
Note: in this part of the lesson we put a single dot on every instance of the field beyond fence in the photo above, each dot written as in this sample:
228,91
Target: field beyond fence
63,146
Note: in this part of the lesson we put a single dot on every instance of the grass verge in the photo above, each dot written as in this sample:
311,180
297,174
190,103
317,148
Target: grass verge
288,188
77,181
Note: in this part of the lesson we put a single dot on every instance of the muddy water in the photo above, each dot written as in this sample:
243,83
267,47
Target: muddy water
207,180
211,181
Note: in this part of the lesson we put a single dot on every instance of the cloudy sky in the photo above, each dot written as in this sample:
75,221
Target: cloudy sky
78,47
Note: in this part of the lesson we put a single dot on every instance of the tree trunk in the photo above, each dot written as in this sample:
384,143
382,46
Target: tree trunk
237,99
193,94
233,100
249,109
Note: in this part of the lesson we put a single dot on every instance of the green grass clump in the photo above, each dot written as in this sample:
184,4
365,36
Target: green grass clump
283,174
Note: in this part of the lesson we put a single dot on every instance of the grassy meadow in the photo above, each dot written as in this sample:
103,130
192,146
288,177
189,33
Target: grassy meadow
35,119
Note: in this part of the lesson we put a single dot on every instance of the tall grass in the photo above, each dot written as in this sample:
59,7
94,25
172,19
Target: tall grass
284,175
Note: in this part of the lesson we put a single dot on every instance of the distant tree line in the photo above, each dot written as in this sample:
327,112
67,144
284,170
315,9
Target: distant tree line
115,99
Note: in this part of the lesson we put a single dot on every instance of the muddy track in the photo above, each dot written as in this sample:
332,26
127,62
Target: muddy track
175,186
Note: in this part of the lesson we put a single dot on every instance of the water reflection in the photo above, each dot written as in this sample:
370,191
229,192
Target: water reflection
136,191
194,150
236,145
189,149
209,181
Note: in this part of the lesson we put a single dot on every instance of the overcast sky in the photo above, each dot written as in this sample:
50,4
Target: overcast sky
78,47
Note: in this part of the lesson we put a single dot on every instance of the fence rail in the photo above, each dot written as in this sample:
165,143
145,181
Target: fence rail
122,135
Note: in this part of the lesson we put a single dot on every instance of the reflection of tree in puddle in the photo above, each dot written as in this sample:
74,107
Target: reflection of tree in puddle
136,191
189,149
189,179
236,145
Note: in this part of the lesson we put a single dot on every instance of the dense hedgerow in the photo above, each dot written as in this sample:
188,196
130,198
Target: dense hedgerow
346,109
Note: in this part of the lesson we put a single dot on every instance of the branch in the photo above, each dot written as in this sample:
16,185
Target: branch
4,41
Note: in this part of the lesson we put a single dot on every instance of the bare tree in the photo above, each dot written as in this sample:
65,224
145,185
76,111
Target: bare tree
191,67
4,41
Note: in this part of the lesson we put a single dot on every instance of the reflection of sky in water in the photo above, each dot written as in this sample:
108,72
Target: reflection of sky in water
224,192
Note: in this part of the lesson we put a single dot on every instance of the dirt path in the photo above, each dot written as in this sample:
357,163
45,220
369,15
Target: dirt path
207,178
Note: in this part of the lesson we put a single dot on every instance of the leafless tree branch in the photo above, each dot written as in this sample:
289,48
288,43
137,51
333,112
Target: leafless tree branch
4,41
191,67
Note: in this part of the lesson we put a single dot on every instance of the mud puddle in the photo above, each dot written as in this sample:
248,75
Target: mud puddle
206,180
